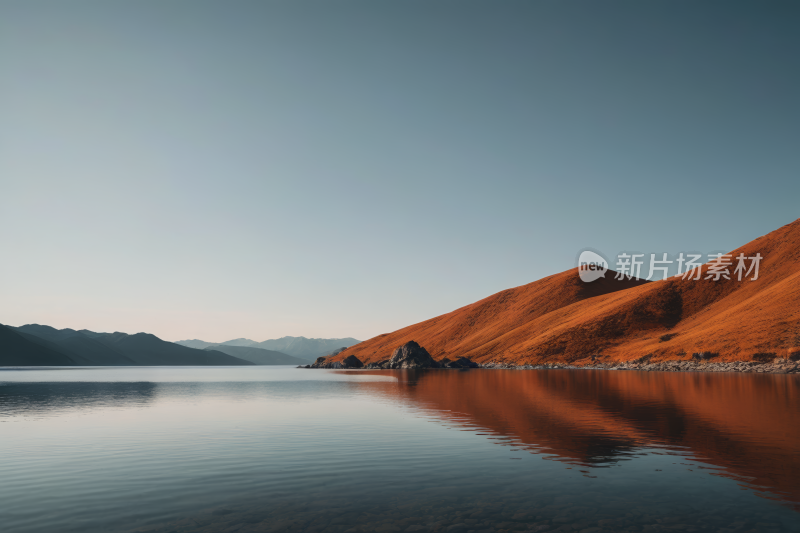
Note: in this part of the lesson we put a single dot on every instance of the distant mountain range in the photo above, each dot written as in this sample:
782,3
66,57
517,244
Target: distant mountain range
37,345
202,345
302,347
259,356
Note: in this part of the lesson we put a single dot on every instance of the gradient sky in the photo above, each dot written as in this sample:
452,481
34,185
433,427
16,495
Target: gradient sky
328,169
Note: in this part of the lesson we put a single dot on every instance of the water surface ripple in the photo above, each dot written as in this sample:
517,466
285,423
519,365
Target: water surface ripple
263,449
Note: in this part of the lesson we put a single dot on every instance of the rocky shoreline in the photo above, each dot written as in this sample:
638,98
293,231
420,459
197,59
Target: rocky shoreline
750,367
412,356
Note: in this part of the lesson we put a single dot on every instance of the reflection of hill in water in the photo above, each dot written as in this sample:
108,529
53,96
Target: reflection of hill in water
749,425
19,399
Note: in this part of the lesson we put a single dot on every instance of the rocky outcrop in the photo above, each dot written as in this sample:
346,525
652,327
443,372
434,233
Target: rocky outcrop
325,362
351,361
411,356
348,362
462,362
319,362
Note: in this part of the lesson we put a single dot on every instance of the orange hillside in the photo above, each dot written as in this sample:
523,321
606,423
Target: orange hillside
560,319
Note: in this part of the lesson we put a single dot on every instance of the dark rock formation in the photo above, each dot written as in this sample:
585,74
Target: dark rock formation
320,362
348,362
466,363
351,361
461,362
411,355
408,356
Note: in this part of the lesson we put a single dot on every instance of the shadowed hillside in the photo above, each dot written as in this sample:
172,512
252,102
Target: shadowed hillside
259,356
197,344
147,349
38,345
15,350
79,347
303,347
202,345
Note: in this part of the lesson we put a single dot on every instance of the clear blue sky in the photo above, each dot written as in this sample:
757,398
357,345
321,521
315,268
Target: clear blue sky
258,169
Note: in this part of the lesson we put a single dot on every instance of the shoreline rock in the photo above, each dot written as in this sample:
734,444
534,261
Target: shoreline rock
411,356
348,362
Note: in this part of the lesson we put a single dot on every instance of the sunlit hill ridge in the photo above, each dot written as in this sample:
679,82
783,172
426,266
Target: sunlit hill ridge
560,319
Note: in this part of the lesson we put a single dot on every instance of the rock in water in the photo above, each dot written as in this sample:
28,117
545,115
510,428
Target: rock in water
351,361
411,355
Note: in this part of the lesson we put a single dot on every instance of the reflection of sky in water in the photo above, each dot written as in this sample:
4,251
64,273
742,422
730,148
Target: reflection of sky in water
118,449
171,374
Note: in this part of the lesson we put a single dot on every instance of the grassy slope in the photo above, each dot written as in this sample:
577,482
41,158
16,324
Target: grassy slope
561,319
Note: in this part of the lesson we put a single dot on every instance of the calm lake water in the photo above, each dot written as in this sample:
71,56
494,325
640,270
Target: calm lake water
249,449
